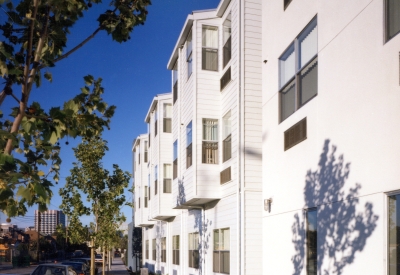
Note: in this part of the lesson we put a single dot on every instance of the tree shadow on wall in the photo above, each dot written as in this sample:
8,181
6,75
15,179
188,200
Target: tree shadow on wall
137,247
160,233
342,231
203,227
181,198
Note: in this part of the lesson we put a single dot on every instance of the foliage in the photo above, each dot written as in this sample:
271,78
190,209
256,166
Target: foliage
36,145
104,194
34,38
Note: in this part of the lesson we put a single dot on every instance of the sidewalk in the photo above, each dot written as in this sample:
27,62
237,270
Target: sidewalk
118,268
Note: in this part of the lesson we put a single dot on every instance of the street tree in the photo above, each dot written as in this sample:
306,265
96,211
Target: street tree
91,190
34,39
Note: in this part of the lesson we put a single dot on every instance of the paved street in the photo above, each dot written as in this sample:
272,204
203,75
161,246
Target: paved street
117,268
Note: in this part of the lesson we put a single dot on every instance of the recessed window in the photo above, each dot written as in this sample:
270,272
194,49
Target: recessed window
225,79
147,249
189,145
394,234
155,122
227,49
167,178
221,254
175,158
210,141
146,192
163,249
189,59
298,71
194,250
312,234
154,247
175,249
175,82
146,152
167,123
227,137
392,18
155,179
210,48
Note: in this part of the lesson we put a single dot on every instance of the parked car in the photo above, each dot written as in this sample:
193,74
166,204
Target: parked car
87,262
54,269
79,267
98,259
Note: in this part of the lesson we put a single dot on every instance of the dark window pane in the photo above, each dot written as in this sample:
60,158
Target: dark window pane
226,78
167,185
210,59
309,82
312,242
227,148
392,18
167,125
174,95
210,152
216,261
175,169
288,100
189,156
394,235
227,51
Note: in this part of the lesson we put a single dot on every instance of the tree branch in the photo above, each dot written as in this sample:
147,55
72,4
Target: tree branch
80,45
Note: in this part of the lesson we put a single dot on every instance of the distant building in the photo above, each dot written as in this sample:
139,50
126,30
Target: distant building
49,220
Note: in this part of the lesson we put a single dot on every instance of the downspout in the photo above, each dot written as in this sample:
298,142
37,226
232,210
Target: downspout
240,138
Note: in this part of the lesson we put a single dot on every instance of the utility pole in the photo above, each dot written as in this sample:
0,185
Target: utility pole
38,240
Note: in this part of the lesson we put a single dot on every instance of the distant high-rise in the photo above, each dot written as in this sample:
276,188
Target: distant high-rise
49,220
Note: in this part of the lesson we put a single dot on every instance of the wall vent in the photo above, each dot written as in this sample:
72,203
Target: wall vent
225,175
295,134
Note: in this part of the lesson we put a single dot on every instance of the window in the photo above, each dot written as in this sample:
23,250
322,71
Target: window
147,249
155,122
175,156
138,152
225,175
167,178
227,137
189,59
210,141
145,196
299,71
392,18
189,145
155,179
154,246
227,41
210,48
226,78
194,250
175,82
221,259
295,134
167,126
175,249
312,231
394,234
149,185
146,152
286,4
163,249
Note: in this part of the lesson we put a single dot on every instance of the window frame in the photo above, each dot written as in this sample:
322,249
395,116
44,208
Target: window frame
209,49
205,159
219,251
193,262
175,251
165,179
163,249
295,80
227,43
167,120
155,179
154,249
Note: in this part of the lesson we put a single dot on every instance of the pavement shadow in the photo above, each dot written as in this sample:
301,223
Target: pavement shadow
341,231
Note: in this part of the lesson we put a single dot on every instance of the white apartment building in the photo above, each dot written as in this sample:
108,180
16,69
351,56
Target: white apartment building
203,175
49,220
331,110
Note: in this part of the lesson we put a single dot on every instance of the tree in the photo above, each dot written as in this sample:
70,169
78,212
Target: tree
35,36
103,191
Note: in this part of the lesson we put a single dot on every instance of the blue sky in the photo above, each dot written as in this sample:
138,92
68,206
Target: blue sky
132,72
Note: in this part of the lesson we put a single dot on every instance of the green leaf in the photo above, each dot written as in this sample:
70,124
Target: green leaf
24,192
3,68
48,76
88,80
53,138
